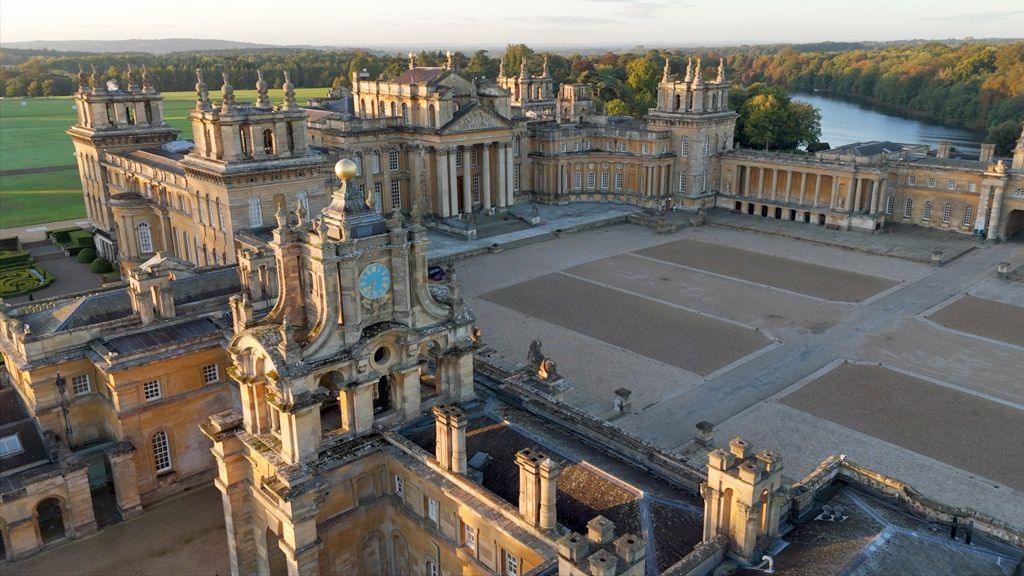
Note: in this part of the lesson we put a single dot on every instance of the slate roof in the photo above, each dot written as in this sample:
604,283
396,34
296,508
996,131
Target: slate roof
872,148
878,538
420,75
80,311
161,336
14,419
157,158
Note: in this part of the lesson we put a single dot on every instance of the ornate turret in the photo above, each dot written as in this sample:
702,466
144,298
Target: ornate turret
227,93
289,92
262,96
349,216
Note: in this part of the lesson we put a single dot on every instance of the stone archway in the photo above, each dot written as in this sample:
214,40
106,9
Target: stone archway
50,519
1015,225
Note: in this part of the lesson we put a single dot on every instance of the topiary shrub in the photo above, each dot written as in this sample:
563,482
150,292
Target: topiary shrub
101,266
86,255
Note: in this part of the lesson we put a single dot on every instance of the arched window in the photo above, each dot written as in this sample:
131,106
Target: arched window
394,109
890,205
145,238
431,568
129,114
244,139
405,112
161,452
682,181
684,146
268,141
255,213
431,121
677,102
908,208
362,108
968,215
290,132
927,214
304,201
380,109
947,212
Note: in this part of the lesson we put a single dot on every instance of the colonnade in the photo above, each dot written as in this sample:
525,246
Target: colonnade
813,189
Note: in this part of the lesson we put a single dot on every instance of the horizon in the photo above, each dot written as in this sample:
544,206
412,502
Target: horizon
574,23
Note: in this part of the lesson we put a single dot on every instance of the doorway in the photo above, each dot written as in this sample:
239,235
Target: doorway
381,395
50,516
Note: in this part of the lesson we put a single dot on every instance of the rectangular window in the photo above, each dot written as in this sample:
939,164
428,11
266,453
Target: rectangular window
515,177
358,159
912,180
515,146
972,187
951,185
604,181
576,145
211,374
664,148
682,181
476,187
375,162
161,452
396,194
577,181
563,147
511,564
644,149
947,213
378,197
908,208
80,384
931,182
393,160
608,145
399,486
586,144
432,510
618,180
458,158
591,180
469,537
475,156
151,390
623,147
10,445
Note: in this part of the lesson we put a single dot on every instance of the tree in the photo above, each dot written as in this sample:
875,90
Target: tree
47,88
33,88
617,107
1004,136
770,119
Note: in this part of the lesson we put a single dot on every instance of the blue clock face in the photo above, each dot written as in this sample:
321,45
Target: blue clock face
374,281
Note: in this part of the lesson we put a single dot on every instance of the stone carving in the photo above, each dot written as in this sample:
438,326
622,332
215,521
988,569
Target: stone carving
544,367
998,167
476,119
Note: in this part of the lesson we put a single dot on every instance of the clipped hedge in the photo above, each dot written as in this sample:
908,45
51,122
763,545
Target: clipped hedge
101,266
86,256
14,260
22,281
11,244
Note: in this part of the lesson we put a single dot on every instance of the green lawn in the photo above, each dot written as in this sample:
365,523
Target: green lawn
32,135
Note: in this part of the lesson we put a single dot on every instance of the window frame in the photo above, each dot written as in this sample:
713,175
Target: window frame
393,162
510,563
619,181
211,373
591,181
160,445
911,180
148,387
396,194
76,384
10,445
468,537
433,510
932,182
968,216
950,184
399,486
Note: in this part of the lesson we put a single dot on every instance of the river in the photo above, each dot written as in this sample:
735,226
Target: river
844,122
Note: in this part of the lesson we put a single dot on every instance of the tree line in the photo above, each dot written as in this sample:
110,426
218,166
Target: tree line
973,84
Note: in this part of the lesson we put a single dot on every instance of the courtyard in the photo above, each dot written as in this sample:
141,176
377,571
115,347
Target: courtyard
802,347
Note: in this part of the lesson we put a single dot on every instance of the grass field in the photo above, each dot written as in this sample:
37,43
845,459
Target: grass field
32,136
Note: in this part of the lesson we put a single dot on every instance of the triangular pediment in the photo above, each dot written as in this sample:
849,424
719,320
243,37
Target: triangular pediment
474,119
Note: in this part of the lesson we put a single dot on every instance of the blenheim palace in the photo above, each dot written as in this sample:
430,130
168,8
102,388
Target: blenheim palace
277,334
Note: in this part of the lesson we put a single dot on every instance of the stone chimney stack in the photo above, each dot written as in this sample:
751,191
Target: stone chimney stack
450,424
600,553
988,153
538,476
944,149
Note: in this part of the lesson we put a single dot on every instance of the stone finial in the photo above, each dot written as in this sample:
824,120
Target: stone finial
721,71
666,72
689,71
94,81
262,91
147,84
697,79
524,73
289,92
202,93
448,61
281,217
83,80
544,72
501,67
227,92
130,79
412,61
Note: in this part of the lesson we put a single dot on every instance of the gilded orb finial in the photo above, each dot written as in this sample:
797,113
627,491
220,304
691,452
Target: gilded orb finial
345,169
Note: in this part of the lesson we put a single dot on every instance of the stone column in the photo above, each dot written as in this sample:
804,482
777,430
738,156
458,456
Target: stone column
407,388
83,520
509,184
485,175
789,184
760,182
979,220
502,195
875,193
817,189
834,197
453,182
362,405
467,181
775,183
548,473
442,445
237,520
443,206
126,482
301,550
746,180
529,501
803,187
994,225
855,196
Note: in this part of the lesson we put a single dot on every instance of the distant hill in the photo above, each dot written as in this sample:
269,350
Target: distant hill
155,46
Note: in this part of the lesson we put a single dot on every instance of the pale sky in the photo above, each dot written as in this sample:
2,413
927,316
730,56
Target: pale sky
469,23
